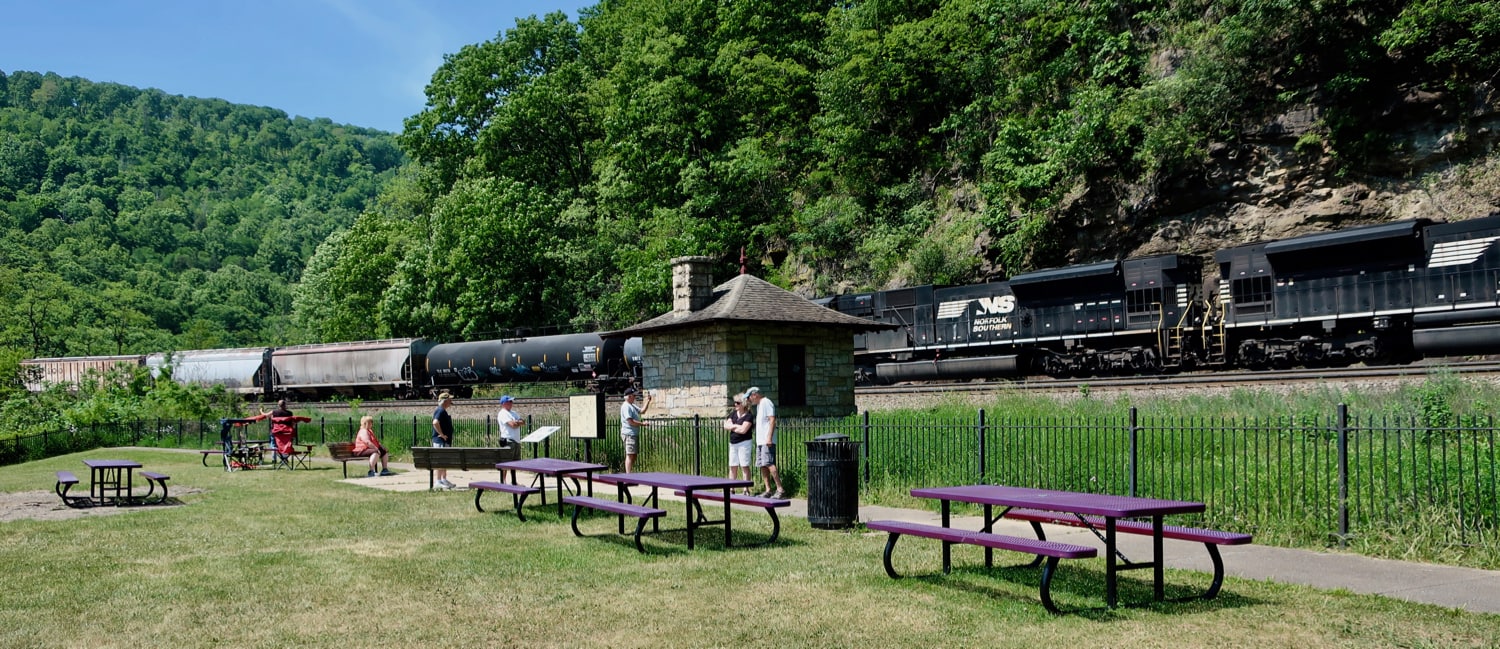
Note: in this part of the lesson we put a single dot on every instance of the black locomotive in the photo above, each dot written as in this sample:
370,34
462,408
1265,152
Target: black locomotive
1385,293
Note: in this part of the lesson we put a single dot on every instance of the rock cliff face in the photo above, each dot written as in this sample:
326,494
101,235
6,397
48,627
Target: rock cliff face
1279,182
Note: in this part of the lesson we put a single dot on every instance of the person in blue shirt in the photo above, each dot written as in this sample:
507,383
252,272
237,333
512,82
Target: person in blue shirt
442,434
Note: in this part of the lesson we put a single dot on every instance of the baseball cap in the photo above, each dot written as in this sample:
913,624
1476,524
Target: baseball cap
506,399
752,391
630,391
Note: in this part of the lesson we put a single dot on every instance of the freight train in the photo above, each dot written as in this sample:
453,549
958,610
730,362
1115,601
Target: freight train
1378,294
1387,293
403,368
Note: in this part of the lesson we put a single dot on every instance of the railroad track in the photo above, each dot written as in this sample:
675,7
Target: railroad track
1415,371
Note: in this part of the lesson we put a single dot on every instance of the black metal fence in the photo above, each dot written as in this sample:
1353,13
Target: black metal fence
1297,479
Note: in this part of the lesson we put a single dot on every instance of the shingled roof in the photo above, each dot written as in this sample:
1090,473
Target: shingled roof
747,298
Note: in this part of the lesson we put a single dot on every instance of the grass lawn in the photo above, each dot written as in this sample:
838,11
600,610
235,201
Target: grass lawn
278,559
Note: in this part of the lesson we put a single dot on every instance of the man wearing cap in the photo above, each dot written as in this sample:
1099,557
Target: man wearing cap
630,425
442,434
510,422
765,442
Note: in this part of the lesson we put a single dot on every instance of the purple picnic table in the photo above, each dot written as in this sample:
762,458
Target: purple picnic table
546,466
1110,507
687,484
116,476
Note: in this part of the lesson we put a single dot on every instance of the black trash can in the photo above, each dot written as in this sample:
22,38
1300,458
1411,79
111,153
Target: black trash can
832,482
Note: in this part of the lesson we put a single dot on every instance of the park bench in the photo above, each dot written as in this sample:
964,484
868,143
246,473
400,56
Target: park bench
152,480
1053,551
212,451
518,494
343,453
768,504
65,481
463,458
1210,539
613,507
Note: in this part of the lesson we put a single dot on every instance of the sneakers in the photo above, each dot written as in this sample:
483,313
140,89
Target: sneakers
763,494
387,472
371,474
444,484
780,494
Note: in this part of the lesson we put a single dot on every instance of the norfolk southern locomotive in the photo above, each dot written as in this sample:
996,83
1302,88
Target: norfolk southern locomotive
1385,293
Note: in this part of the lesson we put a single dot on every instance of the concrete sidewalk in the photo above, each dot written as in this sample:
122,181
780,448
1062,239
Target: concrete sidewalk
1462,588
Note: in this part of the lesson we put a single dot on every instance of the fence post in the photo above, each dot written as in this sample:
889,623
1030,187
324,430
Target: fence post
1134,450
981,447
866,445
413,430
1343,460
697,444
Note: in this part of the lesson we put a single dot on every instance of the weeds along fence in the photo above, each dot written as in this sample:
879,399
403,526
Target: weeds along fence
1293,479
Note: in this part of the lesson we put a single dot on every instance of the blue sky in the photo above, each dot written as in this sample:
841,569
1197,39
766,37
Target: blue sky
360,62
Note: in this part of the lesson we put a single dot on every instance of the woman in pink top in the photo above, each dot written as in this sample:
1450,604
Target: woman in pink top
366,444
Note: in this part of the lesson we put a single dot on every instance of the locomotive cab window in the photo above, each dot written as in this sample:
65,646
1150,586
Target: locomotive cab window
1144,300
1251,290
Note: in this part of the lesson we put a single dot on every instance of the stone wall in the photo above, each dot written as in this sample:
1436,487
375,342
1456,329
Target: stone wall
698,370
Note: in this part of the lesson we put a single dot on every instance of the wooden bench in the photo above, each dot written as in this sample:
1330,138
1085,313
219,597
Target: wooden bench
1053,551
343,453
768,504
65,481
614,507
463,458
518,493
152,480
212,451
1210,539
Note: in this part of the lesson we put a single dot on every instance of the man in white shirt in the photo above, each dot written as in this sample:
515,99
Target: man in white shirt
765,442
631,425
510,422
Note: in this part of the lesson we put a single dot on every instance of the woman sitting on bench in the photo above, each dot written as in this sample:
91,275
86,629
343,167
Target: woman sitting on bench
365,444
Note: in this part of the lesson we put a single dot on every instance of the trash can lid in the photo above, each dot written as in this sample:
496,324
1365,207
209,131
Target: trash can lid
832,437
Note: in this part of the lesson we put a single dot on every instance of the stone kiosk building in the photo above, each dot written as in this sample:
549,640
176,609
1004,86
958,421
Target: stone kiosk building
719,340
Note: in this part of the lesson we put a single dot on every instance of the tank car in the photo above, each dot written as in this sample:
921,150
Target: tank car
245,371
585,359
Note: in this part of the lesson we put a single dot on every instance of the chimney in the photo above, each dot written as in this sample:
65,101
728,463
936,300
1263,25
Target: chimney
692,286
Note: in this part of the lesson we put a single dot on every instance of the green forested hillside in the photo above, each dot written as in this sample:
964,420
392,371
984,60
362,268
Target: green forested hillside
136,221
874,143
842,145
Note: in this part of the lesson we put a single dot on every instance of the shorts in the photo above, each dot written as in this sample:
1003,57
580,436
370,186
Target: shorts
739,454
632,444
765,455
437,443
371,451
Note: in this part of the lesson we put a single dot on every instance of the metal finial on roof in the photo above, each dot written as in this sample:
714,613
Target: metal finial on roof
742,260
